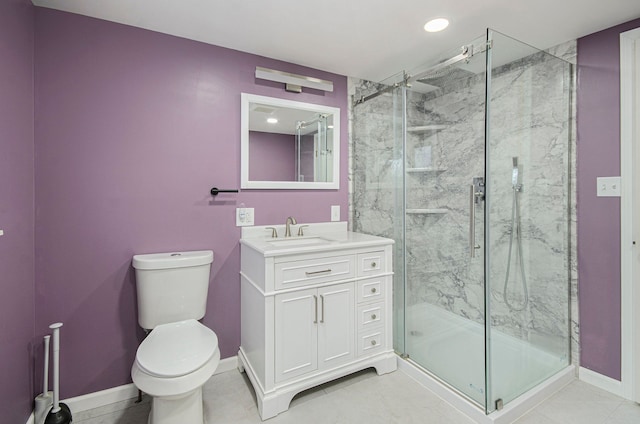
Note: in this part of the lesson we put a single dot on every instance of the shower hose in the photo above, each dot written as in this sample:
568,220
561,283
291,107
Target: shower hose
515,228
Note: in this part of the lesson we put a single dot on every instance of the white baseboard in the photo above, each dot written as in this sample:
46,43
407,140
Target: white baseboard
601,381
227,364
125,392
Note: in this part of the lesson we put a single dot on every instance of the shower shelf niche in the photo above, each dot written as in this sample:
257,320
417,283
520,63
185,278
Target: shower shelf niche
426,129
427,211
429,169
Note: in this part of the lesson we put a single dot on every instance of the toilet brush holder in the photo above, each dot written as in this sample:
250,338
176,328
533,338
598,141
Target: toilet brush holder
59,413
44,401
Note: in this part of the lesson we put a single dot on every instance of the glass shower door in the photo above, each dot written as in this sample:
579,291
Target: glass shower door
527,222
444,220
466,167
378,178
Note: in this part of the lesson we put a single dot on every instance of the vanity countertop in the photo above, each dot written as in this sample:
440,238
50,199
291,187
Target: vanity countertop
321,237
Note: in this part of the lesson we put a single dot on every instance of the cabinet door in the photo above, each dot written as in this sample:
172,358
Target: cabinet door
336,333
296,333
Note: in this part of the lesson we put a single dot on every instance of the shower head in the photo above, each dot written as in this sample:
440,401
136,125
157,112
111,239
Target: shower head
443,76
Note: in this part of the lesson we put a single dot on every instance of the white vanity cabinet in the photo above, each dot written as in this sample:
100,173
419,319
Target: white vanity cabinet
313,312
313,330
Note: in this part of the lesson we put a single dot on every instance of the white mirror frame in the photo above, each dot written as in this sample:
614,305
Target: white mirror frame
246,100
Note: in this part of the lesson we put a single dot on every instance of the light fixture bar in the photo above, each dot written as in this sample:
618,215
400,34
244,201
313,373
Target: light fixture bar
293,80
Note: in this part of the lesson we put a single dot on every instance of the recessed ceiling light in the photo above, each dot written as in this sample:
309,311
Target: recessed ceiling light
272,120
436,25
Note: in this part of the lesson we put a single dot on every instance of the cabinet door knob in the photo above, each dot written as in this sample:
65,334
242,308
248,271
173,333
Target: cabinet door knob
373,264
373,290
373,343
373,316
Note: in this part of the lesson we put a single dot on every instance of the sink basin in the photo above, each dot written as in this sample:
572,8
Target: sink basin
298,241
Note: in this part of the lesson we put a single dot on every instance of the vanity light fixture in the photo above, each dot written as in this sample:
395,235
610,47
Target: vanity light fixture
272,120
436,25
293,82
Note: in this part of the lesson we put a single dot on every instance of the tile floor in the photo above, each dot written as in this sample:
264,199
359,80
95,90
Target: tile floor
367,398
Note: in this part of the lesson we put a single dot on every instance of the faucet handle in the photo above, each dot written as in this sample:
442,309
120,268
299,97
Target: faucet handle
301,230
274,232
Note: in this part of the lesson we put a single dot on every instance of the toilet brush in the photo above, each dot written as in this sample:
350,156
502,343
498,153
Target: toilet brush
59,413
44,400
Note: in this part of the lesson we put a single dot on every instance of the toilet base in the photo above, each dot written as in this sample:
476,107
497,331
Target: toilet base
181,409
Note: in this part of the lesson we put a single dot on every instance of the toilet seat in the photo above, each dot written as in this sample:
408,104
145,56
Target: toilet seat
179,358
176,349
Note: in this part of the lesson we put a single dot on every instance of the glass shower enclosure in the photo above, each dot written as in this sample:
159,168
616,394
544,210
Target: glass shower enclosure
465,164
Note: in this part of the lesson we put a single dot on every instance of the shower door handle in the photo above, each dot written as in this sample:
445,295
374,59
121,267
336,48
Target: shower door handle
473,196
472,220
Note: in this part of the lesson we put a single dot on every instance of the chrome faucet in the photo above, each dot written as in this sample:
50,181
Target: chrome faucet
290,220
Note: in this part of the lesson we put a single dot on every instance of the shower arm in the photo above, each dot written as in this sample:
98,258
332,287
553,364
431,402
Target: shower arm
466,52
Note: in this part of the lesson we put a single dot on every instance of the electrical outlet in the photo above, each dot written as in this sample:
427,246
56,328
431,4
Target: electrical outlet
244,217
335,213
608,186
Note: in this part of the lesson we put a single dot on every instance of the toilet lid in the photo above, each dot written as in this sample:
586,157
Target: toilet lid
176,349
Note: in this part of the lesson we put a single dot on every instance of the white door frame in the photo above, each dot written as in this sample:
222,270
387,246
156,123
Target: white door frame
630,206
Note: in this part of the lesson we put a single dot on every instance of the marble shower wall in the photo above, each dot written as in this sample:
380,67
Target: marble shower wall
531,119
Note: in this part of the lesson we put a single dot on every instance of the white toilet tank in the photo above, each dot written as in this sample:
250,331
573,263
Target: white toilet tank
172,287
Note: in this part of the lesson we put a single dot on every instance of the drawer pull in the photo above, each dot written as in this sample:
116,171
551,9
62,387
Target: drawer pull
373,290
324,271
373,343
373,316
373,264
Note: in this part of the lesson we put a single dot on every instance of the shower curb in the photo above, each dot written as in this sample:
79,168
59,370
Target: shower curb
511,412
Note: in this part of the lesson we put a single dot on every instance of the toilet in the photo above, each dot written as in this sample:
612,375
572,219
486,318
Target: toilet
180,354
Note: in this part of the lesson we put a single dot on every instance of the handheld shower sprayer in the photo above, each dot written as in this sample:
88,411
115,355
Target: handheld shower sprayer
515,178
516,233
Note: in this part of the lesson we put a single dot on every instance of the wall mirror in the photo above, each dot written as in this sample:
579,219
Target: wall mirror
289,145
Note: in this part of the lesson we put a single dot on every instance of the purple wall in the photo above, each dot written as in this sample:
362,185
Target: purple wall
16,210
132,129
266,149
598,155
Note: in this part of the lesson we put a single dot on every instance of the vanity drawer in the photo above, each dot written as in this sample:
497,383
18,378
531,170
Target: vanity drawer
371,289
370,316
313,271
371,263
370,343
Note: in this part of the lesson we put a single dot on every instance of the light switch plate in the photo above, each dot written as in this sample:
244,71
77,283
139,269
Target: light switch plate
244,217
608,186
335,213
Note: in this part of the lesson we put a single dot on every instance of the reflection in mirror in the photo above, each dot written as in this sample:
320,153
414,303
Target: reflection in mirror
287,144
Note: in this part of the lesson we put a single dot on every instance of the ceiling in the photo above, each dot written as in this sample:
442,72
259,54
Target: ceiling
371,39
